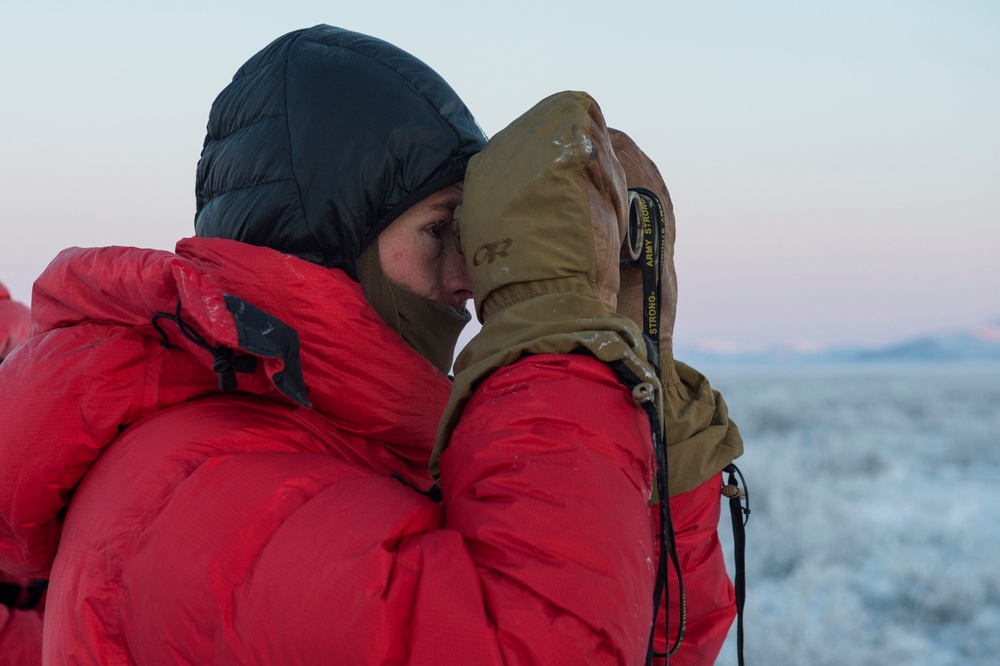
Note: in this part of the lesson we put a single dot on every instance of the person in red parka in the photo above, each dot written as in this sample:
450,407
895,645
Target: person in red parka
22,600
247,451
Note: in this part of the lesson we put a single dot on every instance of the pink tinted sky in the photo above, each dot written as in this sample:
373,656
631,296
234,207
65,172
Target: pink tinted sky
833,165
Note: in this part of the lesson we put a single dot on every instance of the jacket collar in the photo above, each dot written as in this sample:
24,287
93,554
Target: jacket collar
356,371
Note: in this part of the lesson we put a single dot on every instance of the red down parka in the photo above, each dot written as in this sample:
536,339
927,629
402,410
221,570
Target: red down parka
184,525
20,629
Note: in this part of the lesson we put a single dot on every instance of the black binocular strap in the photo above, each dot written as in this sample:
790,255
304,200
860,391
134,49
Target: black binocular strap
647,222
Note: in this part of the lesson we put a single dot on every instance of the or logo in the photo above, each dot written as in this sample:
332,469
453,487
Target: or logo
490,251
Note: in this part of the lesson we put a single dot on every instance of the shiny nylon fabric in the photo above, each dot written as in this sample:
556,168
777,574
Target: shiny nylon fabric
96,341
709,594
245,528
322,139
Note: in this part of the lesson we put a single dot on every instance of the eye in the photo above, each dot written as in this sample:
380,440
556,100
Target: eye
438,230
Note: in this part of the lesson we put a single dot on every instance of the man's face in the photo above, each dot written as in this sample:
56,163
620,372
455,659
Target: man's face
418,251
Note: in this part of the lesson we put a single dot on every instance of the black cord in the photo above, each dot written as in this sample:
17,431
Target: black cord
433,493
225,363
740,515
667,550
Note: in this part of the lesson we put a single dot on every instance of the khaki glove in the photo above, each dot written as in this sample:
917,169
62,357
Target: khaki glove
541,228
701,439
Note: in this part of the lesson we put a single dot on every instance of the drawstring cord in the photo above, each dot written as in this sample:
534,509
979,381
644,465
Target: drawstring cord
225,363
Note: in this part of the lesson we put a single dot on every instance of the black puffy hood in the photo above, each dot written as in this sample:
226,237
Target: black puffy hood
322,139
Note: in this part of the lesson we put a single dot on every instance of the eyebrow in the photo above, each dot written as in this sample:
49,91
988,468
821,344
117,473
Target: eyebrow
446,206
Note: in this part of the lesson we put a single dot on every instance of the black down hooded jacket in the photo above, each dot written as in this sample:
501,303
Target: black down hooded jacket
322,139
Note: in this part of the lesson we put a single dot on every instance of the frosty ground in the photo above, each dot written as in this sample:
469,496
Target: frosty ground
875,521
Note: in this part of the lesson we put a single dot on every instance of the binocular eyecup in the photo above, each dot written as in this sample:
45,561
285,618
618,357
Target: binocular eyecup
644,220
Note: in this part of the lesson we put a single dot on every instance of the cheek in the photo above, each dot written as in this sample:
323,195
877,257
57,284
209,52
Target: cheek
397,262
428,274
396,259
413,268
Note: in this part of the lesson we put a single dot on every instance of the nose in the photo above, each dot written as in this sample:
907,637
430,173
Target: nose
456,283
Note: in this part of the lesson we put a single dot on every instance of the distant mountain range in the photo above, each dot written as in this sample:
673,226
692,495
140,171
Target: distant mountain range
978,344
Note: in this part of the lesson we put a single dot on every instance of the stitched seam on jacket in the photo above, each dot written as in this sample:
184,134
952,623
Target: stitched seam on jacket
250,123
216,195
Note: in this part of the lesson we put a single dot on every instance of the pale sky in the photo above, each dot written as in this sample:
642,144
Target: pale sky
835,166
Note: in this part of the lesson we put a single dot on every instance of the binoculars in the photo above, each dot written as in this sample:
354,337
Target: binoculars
645,224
